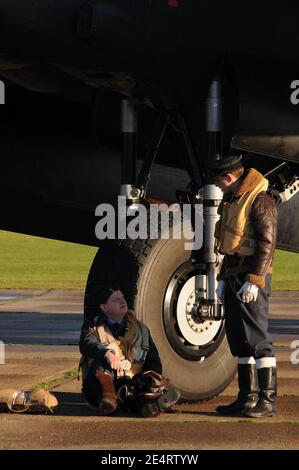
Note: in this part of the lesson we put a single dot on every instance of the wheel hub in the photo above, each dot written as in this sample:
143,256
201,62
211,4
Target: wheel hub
193,326
191,333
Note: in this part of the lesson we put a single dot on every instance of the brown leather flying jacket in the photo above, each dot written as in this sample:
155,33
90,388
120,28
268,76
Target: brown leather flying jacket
263,217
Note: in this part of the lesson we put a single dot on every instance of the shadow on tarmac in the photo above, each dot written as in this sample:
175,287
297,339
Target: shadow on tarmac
73,404
284,326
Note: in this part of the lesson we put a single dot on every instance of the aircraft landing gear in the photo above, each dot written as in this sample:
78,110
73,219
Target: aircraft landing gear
171,289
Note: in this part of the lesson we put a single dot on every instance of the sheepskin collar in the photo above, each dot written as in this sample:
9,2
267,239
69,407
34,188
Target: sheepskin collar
250,180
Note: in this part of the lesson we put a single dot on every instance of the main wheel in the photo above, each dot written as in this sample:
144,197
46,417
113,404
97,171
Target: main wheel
161,282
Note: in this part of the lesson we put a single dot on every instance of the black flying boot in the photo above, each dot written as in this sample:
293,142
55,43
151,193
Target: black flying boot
248,392
266,406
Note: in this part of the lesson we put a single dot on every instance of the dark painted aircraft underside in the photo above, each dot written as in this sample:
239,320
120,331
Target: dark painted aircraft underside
67,49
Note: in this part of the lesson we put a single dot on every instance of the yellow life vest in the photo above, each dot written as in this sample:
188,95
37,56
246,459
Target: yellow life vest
133,346
234,232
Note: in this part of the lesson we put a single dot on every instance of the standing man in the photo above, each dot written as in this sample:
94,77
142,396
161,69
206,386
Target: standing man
246,235
121,364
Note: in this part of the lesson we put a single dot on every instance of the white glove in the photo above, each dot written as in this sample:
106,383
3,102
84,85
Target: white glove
220,291
248,292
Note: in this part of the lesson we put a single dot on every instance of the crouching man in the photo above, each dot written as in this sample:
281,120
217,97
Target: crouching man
120,362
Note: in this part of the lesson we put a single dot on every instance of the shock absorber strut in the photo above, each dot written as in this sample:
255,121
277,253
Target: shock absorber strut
129,123
211,200
212,194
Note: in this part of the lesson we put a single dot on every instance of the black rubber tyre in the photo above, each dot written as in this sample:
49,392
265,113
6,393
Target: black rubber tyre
143,269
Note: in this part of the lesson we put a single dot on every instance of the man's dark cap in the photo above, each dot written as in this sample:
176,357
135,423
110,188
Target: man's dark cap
226,165
104,293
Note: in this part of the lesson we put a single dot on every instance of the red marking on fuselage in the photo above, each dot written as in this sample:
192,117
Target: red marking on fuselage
173,3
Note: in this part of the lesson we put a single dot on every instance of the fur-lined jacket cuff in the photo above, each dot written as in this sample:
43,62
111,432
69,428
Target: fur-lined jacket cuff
257,280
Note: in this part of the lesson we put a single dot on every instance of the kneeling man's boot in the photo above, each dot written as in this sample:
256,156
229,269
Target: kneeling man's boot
248,392
266,406
108,403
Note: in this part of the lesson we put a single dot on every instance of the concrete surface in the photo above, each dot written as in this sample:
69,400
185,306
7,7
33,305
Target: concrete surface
53,318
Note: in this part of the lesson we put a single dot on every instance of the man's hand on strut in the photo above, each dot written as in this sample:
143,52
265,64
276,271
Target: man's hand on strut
114,361
248,292
220,290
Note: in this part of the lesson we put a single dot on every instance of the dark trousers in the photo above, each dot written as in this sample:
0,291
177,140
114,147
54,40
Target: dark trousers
247,324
